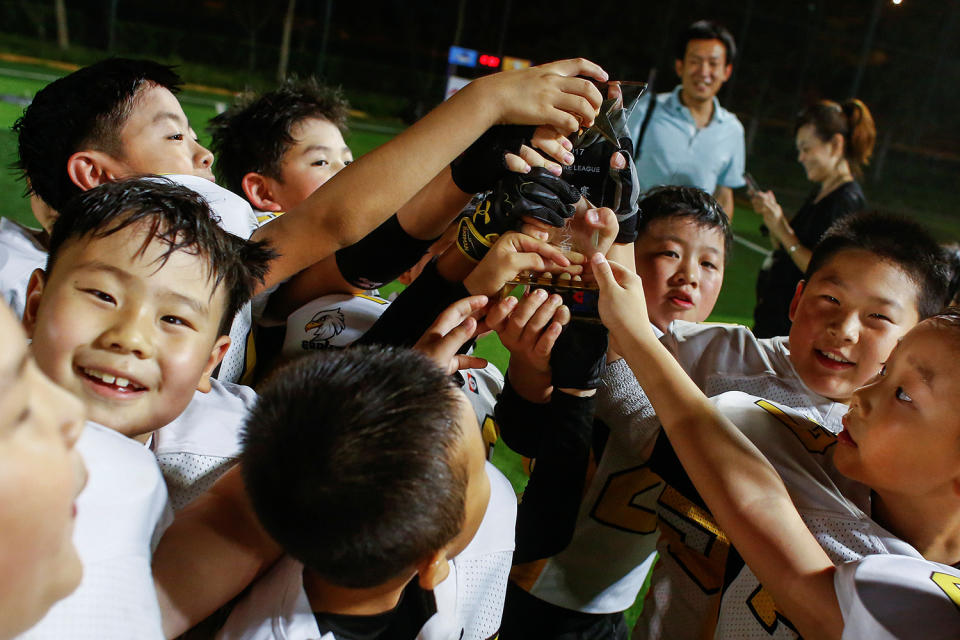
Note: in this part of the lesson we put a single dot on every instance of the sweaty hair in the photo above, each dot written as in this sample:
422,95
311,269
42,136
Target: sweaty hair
852,120
904,243
706,30
351,461
175,216
83,110
253,134
685,202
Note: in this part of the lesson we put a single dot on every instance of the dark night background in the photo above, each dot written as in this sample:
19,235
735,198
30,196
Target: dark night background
902,60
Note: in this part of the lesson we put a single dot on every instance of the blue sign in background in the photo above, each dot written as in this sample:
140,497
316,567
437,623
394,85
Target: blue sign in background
463,57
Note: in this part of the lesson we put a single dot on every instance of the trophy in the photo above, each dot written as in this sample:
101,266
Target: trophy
601,186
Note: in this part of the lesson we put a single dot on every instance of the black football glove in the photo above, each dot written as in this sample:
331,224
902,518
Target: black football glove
482,164
538,194
605,186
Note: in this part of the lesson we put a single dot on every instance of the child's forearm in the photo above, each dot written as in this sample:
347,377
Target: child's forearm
428,214
365,193
211,552
741,488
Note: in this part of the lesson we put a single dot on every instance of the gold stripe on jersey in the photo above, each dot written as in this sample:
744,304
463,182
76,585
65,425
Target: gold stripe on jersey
950,585
814,437
250,362
490,433
694,540
370,298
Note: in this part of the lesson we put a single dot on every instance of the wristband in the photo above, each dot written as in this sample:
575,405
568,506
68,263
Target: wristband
381,255
579,356
520,420
415,309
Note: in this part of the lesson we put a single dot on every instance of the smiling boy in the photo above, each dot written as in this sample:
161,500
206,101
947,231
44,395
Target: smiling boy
119,316
870,280
130,316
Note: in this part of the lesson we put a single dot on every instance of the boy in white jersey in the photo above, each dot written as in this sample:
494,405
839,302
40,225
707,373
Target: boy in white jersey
681,250
899,440
872,279
131,315
367,466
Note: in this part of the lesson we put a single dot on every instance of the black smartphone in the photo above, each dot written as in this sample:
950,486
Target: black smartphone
752,186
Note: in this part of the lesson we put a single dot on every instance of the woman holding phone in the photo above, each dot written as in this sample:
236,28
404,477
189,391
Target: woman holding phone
834,142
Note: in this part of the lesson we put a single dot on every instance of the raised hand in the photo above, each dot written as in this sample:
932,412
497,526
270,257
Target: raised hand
548,94
513,253
450,331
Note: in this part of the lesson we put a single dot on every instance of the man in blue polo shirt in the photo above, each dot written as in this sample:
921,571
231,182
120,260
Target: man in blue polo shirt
690,139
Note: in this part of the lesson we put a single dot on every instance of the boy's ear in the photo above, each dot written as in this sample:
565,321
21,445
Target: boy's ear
678,67
220,348
433,570
727,71
38,280
90,168
257,189
796,299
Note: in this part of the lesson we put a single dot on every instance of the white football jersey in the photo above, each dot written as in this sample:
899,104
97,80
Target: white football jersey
469,601
614,542
834,508
119,517
236,216
203,442
333,321
20,254
887,597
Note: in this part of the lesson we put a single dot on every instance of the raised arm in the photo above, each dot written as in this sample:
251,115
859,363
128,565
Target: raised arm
739,485
365,193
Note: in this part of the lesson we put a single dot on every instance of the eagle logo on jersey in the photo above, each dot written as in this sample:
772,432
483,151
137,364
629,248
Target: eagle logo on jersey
325,325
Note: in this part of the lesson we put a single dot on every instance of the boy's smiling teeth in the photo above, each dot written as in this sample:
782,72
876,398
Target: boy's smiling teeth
835,357
110,379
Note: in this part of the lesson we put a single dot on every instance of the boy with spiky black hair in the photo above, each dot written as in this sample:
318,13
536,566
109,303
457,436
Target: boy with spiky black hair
367,466
131,315
252,138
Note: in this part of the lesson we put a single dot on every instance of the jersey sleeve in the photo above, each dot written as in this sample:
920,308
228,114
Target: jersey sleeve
622,405
890,596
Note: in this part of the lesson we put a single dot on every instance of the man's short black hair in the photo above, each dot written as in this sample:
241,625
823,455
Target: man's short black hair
685,202
85,109
351,460
904,243
175,216
253,134
707,30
